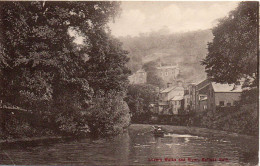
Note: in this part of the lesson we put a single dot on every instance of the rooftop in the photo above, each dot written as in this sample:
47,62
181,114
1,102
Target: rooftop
177,88
140,71
167,89
176,98
226,87
205,98
167,67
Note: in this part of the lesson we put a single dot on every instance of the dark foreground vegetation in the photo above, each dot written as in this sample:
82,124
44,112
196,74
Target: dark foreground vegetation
68,87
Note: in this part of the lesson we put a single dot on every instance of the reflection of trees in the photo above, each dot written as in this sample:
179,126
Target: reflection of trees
122,149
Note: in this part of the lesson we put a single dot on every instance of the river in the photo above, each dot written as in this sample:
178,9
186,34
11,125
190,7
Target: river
135,147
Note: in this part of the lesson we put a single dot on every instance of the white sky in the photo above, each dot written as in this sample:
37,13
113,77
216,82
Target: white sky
142,17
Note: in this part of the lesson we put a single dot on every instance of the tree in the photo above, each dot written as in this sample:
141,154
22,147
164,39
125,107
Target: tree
45,71
139,98
152,77
109,114
232,55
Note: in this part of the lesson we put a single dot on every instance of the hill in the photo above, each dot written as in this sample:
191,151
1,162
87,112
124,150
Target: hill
186,49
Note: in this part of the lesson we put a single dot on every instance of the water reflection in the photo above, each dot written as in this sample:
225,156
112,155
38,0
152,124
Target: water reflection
134,148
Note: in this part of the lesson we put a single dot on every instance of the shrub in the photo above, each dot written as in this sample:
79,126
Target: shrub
139,97
108,115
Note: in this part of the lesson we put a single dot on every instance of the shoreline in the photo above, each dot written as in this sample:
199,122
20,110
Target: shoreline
196,131
30,139
7,144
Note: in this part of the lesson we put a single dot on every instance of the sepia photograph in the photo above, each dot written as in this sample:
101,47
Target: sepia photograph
129,83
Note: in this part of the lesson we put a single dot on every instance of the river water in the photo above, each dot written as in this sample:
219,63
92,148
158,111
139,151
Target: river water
135,147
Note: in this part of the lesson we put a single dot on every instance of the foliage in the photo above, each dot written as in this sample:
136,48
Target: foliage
250,96
108,115
186,49
152,77
242,119
233,52
139,98
44,70
106,68
17,127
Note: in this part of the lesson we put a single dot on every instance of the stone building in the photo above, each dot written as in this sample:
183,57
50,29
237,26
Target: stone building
211,95
176,104
223,95
165,99
168,73
190,97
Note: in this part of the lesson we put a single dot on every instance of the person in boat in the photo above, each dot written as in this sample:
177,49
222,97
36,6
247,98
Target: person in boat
157,129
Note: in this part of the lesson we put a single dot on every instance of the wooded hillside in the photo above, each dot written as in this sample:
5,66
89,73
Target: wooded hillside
186,49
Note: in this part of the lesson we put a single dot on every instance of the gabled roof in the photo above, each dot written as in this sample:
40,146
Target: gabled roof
167,89
177,98
205,98
140,71
176,88
217,87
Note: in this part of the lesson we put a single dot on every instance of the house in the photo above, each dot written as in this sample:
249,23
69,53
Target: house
203,103
138,77
165,97
201,89
189,97
210,95
176,104
187,100
223,95
168,73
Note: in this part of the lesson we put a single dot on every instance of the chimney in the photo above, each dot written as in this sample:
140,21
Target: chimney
179,83
169,85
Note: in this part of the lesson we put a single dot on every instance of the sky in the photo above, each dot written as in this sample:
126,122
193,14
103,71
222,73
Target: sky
146,16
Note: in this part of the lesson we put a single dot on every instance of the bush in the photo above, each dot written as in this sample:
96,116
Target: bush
139,97
243,119
17,127
108,115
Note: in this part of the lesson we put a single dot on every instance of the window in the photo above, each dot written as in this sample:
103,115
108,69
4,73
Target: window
228,104
235,102
221,103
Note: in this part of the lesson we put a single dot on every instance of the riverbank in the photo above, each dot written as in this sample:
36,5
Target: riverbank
34,141
196,131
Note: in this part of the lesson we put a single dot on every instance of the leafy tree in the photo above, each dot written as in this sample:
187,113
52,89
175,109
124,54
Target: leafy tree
45,71
106,68
139,98
152,77
233,53
109,114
